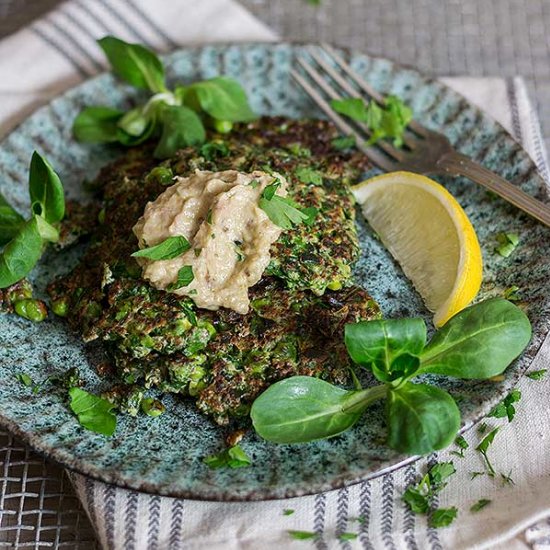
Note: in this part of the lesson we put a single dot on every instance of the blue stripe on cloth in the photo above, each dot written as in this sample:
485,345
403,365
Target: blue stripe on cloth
342,515
64,32
433,535
387,511
84,8
117,14
409,518
109,504
176,523
82,70
364,514
153,525
130,521
320,507
152,25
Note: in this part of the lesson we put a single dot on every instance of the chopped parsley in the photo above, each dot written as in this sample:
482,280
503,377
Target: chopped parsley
511,294
25,379
282,211
443,517
299,151
254,184
537,374
308,175
214,150
419,497
507,243
93,412
462,444
303,535
389,121
172,247
209,217
288,512
233,457
152,407
473,475
185,278
483,447
507,479
480,504
343,142
506,407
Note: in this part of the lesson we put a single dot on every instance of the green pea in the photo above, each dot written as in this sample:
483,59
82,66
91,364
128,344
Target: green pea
223,126
160,174
60,307
33,310
152,407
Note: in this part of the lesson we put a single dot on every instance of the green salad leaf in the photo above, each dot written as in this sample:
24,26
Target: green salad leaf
45,190
10,221
233,457
97,125
181,127
93,412
134,63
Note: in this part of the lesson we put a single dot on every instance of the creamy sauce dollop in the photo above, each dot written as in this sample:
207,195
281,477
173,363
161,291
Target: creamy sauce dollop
230,235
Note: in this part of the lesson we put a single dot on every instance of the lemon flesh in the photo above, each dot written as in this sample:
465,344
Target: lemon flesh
430,236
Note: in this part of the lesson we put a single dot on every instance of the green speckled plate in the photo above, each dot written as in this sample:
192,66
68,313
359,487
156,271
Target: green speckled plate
164,455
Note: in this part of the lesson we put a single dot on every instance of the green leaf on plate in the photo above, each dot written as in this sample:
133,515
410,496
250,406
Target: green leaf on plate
180,127
97,125
93,412
46,191
172,247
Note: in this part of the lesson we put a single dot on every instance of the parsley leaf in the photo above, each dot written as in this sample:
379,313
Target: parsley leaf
462,444
347,536
233,457
480,504
483,447
172,247
420,496
25,379
93,412
511,293
282,211
214,150
343,142
507,243
442,517
389,121
506,408
303,535
185,278
537,374
308,175
288,512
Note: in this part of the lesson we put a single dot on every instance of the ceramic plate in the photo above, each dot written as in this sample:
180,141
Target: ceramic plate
164,455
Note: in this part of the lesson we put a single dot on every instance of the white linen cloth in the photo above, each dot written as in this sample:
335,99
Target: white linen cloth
59,51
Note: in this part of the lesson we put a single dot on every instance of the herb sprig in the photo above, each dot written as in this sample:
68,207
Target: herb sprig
25,240
477,343
177,118
387,122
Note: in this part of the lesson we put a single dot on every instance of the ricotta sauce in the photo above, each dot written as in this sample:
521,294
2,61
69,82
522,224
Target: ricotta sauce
230,235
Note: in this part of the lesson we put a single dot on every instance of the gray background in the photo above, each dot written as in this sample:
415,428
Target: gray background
440,37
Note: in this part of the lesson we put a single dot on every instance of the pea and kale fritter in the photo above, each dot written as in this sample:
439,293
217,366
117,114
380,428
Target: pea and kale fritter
298,309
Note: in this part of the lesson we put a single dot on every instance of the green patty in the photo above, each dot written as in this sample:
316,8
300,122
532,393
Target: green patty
223,359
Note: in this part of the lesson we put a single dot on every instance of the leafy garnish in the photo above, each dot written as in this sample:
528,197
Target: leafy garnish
420,497
308,175
233,457
288,512
282,211
473,475
537,374
176,116
507,243
389,121
303,535
185,278
343,142
25,379
93,412
462,444
25,240
506,407
420,418
483,447
214,150
480,504
511,293
442,517
152,407
170,248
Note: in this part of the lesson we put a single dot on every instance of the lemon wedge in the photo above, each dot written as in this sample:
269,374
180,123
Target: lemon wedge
429,235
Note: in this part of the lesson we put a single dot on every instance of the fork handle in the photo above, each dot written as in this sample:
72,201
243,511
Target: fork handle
457,164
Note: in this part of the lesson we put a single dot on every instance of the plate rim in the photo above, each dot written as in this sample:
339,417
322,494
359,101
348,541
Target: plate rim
74,465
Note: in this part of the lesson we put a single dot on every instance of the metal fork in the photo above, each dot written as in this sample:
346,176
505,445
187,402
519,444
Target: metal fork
426,151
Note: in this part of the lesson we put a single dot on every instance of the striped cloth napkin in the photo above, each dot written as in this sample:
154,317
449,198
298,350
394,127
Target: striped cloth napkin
58,52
